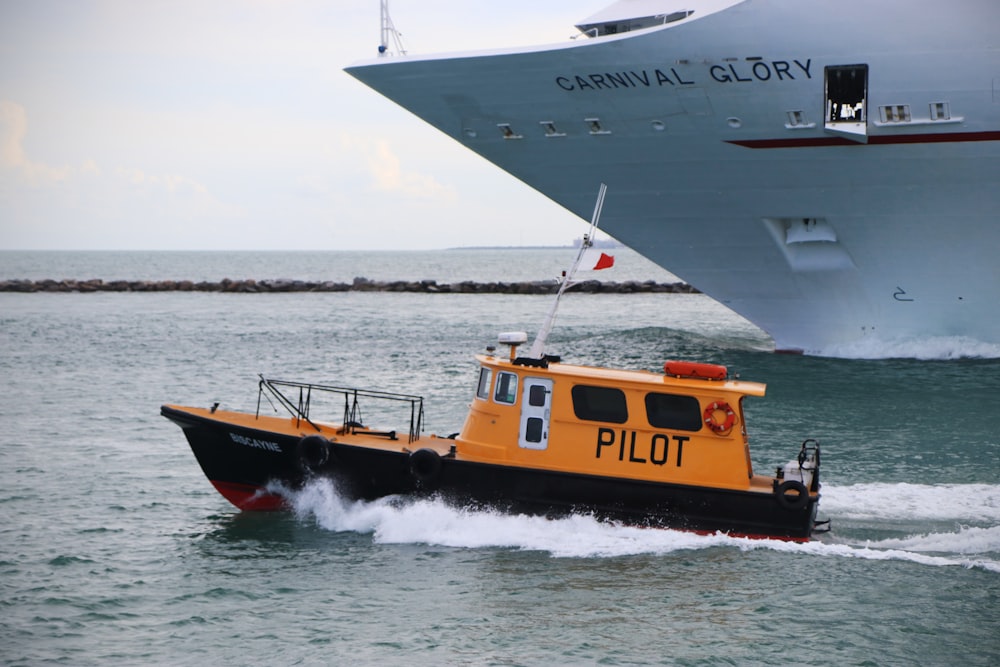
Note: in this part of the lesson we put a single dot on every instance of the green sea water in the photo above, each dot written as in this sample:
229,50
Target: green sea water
114,548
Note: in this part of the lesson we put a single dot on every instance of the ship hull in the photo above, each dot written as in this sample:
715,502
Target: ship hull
723,166
255,469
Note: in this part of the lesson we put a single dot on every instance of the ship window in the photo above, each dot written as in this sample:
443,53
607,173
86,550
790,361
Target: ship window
594,124
895,113
507,132
671,411
940,111
677,16
485,378
614,27
550,129
601,404
506,388
797,119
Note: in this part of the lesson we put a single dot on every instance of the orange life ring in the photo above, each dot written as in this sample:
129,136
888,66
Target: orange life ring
711,422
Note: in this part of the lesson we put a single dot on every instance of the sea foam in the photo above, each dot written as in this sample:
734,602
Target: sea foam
401,520
937,348
914,502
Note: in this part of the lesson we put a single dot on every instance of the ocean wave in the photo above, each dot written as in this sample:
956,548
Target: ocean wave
401,520
936,348
921,502
966,540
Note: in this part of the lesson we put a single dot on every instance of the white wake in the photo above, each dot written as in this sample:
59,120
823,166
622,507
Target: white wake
934,348
399,520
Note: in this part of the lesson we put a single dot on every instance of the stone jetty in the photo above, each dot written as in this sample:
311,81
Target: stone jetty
251,286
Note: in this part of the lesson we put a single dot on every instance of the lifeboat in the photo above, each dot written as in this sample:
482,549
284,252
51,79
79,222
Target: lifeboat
692,369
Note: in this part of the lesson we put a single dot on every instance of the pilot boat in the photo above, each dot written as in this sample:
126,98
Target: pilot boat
660,449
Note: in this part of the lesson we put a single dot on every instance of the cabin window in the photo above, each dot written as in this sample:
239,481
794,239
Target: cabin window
681,413
506,388
485,379
602,404
533,429
536,395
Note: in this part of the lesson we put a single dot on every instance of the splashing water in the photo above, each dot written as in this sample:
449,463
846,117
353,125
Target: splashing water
403,520
938,348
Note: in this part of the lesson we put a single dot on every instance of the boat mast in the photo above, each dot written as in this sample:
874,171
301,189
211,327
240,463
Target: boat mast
389,31
538,347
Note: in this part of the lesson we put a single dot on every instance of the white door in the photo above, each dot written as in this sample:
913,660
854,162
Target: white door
536,404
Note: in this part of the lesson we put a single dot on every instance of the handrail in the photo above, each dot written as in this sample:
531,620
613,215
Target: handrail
299,409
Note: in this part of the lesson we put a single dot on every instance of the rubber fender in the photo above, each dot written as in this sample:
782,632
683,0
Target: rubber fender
313,453
797,500
425,467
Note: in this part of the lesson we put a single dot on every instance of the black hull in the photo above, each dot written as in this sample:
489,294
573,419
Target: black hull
241,463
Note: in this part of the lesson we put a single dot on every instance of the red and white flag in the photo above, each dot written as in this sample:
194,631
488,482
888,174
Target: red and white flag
595,260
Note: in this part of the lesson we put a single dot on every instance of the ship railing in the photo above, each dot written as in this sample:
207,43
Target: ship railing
302,398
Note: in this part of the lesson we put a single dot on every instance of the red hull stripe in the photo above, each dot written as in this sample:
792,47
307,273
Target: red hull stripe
752,536
249,497
878,140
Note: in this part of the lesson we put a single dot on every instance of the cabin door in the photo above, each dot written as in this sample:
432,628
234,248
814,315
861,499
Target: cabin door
536,408
847,102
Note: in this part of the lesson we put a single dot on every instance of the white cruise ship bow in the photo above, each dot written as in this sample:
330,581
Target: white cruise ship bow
828,170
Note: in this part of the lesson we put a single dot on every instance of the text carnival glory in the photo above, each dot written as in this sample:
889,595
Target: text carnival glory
742,72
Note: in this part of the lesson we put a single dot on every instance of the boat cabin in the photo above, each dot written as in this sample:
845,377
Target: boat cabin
682,426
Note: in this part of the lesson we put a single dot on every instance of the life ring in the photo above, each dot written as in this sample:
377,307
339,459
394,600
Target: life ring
425,467
313,453
715,425
798,500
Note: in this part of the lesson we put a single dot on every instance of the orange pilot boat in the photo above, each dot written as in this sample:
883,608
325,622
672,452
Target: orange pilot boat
541,436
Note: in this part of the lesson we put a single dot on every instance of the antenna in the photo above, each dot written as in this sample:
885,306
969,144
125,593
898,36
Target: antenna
389,31
538,347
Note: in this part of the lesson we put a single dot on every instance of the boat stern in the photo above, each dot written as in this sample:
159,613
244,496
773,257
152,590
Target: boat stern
796,486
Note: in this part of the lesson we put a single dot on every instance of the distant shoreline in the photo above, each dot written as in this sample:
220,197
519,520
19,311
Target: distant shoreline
250,286
604,244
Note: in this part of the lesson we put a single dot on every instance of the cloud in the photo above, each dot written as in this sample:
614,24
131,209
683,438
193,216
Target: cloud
13,129
88,206
14,159
169,183
230,124
389,176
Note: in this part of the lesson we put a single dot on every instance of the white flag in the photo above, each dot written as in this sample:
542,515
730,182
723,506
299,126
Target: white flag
595,260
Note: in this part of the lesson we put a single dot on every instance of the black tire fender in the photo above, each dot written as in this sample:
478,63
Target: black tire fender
313,452
425,467
797,500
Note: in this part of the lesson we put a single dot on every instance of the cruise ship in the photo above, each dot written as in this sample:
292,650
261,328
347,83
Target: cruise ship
828,170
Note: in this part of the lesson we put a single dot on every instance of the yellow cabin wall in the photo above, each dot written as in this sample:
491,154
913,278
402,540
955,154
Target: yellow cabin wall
491,432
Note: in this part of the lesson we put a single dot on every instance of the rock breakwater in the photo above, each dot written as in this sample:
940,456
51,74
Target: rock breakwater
250,286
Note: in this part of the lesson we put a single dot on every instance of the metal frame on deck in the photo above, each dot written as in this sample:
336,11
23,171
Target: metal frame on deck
278,389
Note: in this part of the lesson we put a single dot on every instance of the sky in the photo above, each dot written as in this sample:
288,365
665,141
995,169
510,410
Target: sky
230,125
